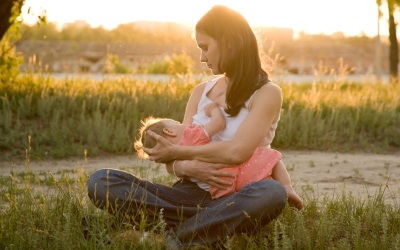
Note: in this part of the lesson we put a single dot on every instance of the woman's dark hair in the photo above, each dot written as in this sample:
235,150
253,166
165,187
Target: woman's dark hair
240,59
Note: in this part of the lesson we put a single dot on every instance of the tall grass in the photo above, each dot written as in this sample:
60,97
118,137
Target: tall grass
340,116
66,117
40,210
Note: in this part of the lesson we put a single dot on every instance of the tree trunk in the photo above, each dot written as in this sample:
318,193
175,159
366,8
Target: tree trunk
7,15
394,47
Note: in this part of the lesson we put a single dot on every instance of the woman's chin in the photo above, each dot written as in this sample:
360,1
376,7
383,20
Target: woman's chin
215,72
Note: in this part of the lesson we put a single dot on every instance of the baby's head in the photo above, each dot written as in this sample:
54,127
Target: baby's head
167,128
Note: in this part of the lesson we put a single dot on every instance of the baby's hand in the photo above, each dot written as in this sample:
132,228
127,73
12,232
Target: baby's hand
209,107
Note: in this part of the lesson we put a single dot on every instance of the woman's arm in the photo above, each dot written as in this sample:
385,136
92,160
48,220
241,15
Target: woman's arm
191,107
202,171
264,108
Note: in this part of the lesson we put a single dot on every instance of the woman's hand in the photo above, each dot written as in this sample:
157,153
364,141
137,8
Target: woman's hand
209,173
163,151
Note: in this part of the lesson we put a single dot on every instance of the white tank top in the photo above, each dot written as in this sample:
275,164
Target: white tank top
232,123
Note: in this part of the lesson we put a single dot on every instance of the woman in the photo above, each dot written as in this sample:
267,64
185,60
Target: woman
252,108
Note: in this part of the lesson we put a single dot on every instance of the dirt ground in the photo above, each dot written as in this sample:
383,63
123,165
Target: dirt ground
314,174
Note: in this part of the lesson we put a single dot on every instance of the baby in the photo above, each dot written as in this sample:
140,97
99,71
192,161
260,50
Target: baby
264,163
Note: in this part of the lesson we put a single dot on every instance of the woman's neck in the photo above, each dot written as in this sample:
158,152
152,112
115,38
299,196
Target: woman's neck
227,80
218,92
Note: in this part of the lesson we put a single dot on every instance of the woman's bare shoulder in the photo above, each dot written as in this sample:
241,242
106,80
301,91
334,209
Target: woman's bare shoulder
199,88
271,89
268,93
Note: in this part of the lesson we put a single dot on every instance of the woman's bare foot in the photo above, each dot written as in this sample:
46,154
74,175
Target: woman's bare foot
294,199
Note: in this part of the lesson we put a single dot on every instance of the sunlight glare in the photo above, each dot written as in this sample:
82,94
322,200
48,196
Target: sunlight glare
312,16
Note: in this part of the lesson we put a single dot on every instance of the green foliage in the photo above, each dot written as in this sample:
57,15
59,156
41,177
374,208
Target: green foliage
80,31
175,65
180,64
114,66
9,60
157,67
44,31
10,11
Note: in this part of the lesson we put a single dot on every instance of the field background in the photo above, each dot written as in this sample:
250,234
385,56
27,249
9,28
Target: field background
339,135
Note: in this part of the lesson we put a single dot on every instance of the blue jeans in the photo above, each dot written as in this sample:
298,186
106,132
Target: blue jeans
192,217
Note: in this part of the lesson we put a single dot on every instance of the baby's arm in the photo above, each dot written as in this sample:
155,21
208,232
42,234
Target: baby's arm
217,119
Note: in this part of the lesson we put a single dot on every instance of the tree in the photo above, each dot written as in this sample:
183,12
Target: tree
394,47
378,48
9,11
9,60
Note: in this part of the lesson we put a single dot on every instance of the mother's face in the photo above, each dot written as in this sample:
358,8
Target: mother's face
210,53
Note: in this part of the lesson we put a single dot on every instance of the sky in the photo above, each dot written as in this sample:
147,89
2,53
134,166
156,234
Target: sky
352,17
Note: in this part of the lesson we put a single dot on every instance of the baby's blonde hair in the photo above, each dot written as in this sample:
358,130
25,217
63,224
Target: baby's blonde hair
150,123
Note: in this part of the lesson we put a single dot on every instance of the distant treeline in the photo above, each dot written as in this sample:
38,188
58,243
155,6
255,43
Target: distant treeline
138,32
296,53
159,32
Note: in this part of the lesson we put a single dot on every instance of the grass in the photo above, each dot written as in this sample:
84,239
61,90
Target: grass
52,211
68,117
47,118
340,116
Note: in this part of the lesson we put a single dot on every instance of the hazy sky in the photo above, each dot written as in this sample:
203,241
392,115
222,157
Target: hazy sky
312,16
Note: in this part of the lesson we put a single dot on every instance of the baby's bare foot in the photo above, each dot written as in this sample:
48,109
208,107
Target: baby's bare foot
294,199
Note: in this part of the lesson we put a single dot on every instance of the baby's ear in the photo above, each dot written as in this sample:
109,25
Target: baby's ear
169,132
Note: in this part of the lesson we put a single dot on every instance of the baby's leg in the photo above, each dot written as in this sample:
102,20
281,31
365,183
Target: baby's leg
279,173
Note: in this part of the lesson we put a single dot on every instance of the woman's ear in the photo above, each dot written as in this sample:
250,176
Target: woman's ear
169,132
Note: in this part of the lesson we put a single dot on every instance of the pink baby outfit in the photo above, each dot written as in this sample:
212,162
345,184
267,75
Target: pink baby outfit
258,167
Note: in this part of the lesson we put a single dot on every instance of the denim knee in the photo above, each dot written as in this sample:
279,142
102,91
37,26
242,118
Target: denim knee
268,194
95,182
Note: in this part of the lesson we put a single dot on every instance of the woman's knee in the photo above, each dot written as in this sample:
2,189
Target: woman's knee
276,190
95,183
267,193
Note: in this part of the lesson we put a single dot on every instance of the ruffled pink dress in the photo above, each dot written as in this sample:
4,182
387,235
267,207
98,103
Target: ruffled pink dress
258,167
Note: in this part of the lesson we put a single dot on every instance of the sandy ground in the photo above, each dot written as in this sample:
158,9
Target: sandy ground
314,174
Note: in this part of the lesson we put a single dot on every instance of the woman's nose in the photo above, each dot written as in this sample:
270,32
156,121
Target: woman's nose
203,58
